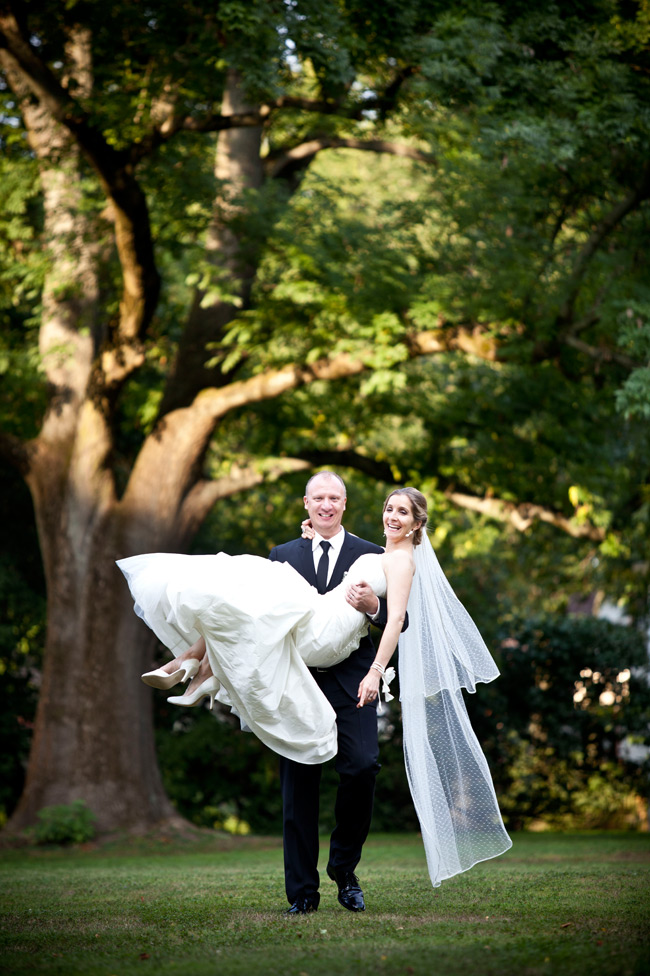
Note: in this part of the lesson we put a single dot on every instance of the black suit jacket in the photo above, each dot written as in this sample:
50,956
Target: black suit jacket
298,554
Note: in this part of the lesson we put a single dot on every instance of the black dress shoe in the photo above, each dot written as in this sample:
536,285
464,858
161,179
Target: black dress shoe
350,894
302,906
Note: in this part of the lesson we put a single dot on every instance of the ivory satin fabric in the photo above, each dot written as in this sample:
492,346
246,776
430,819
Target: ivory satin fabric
264,626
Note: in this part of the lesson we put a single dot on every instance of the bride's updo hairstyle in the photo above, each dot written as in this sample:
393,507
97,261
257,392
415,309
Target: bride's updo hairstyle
418,509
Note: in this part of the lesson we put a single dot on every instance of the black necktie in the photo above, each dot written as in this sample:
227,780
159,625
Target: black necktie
323,567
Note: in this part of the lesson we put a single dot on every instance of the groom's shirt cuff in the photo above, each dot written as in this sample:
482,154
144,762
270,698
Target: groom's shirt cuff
373,616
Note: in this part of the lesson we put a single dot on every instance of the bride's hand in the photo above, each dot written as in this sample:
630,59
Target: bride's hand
369,688
307,529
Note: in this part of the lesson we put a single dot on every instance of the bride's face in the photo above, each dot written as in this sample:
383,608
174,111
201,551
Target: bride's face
398,518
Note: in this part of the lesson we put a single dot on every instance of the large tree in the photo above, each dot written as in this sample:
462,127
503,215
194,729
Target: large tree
121,106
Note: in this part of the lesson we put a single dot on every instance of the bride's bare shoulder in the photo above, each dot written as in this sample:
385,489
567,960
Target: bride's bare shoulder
398,561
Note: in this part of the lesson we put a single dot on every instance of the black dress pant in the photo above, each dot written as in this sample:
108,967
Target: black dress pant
357,766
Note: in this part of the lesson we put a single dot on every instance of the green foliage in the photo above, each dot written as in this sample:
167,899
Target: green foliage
226,819
216,775
66,823
536,124
572,693
633,398
547,793
22,271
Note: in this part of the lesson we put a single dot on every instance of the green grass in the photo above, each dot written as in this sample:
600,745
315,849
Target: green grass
554,904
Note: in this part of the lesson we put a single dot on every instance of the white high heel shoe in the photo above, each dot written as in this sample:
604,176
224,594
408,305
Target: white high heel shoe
209,687
165,680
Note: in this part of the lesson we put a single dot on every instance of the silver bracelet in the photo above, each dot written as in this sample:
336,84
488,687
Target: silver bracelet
378,667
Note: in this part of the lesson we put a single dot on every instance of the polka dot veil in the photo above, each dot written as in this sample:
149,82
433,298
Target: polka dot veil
440,653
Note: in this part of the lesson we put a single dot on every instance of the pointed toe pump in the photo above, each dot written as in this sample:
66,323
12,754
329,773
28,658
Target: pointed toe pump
209,687
165,680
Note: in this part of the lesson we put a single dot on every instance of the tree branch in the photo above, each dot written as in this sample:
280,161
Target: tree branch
204,494
523,515
601,354
118,362
217,122
379,470
211,122
386,101
268,385
283,163
321,106
602,230
183,434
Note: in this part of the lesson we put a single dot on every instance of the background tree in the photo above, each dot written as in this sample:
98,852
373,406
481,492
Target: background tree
501,242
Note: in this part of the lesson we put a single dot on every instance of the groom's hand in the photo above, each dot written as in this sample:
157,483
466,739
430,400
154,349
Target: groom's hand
362,597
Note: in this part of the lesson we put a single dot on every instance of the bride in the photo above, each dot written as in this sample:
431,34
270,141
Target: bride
247,630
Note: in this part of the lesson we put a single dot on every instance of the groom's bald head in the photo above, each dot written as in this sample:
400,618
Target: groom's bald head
326,474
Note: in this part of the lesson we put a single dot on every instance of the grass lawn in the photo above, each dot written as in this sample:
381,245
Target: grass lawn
554,904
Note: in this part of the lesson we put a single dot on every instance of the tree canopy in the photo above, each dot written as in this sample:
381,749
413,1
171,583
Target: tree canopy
243,239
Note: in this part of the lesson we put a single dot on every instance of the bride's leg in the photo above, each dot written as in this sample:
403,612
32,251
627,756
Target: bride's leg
196,651
204,672
181,668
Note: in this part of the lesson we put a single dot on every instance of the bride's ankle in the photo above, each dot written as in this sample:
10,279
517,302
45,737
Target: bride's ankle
196,651
192,653
199,678
205,671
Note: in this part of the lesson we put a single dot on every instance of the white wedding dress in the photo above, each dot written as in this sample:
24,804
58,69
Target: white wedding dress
263,626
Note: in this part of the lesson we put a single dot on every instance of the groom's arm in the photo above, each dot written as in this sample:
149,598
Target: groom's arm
281,553
362,597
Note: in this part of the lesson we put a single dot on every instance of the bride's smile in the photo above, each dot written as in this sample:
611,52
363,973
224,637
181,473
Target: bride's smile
398,518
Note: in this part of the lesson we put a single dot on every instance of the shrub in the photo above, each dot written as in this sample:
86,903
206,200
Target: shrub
67,823
572,690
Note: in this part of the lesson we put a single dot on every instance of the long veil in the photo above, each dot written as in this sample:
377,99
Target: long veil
440,653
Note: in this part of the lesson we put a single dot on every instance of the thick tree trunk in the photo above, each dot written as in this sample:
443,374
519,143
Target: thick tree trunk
93,735
237,168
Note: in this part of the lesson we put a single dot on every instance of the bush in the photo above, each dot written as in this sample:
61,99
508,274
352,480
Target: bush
571,691
213,772
67,823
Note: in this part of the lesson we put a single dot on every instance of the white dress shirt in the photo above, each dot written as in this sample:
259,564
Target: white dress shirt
333,554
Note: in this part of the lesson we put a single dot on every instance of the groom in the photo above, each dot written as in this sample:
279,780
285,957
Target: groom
323,561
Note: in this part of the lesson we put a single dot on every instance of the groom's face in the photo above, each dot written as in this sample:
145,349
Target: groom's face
325,504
